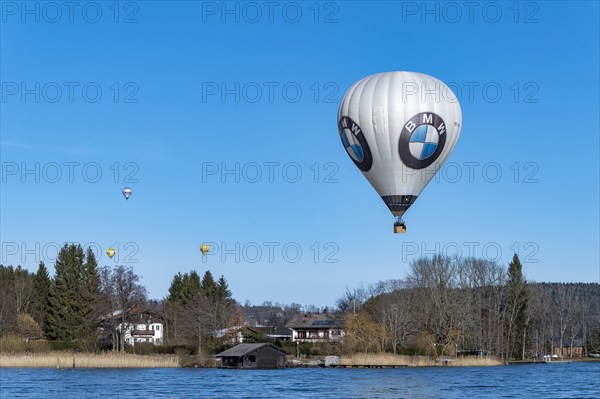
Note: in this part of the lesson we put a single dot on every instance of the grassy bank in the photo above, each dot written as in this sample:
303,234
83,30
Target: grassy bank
87,360
387,359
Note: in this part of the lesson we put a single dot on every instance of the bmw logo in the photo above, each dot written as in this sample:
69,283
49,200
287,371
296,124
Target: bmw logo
355,143
422,140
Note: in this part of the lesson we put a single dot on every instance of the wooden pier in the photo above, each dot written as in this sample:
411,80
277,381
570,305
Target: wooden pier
369,366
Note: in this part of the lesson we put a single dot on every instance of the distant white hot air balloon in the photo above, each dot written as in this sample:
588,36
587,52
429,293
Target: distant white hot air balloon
127,192
399,128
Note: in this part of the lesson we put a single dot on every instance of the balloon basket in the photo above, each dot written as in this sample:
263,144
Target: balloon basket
399,228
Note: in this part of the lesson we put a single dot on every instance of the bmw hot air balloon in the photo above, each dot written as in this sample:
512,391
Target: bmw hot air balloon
127,192
204,248
399,128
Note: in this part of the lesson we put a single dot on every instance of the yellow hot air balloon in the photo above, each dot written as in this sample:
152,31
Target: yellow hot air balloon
204,248
111,252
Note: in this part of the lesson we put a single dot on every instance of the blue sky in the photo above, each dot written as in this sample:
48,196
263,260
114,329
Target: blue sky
172,94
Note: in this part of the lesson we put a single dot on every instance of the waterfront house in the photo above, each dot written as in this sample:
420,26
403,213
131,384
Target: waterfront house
145,329
569,348
308,327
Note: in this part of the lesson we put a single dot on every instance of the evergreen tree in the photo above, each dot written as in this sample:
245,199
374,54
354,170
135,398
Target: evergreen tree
517,311
196,307
223,291
69,300
175,288
184,287
91,291
41,284
208,285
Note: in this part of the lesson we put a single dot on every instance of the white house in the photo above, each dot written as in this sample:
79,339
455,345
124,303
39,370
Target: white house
150,331
316,328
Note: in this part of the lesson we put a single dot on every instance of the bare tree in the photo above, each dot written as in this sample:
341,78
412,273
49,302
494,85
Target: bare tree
395,314
124,296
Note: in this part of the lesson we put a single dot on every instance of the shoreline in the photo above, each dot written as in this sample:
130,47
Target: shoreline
75,360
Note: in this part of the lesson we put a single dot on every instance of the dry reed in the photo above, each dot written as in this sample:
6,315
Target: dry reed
388,359
87,360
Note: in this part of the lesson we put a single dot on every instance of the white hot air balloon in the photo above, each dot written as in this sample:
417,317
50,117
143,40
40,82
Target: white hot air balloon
399,128
127,192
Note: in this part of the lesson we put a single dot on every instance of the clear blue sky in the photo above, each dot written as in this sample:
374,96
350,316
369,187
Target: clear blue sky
179,101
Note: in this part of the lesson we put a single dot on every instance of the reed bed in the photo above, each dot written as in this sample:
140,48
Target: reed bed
388,359
87,360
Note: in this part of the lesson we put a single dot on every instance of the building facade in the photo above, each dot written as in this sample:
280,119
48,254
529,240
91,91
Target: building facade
316,328
135,333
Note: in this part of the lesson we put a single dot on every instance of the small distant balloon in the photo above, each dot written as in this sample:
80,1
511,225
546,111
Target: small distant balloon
111,252
204,248
127,192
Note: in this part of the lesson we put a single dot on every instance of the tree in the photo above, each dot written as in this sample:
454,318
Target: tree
517,311
435,280
16,294
184,288
196,308
362,333
70,302
353,300
127,299
41,286
27,327
393,311
208,285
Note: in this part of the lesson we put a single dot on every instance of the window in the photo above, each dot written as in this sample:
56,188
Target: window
252,358
158,327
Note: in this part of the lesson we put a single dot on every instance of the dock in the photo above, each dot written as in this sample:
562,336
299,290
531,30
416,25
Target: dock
369,366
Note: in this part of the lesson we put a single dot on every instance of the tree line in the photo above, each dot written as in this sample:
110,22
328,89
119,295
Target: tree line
449,305
443,306
93,306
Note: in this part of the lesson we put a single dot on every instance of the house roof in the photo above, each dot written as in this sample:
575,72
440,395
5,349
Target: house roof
567,344
274,331
314,321
244,349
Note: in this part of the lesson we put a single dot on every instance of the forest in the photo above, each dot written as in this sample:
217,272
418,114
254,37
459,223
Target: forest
443,306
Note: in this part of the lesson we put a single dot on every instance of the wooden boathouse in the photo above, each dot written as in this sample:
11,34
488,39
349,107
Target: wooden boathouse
253,356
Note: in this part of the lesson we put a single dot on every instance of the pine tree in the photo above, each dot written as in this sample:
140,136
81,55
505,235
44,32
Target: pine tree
184,287
175,288
69,300
223,291
208,285
91,293
518,311
41,284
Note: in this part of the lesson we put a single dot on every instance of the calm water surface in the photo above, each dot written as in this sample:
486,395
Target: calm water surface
574,380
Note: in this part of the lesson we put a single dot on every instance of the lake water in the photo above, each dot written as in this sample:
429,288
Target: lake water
574,380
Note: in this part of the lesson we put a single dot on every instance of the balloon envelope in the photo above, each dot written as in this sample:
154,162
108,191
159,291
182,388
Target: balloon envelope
127,192
399,128
111,252
204,248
